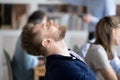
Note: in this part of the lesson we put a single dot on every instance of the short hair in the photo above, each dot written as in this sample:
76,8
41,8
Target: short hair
29,43
103,32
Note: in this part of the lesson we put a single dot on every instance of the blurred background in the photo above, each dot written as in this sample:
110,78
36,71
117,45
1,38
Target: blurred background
14,14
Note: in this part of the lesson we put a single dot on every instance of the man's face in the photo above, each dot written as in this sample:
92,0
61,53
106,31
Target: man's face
51,30
56,31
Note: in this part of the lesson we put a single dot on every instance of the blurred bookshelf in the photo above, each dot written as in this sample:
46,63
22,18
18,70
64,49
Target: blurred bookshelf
10,14
65,14
118,10
12,10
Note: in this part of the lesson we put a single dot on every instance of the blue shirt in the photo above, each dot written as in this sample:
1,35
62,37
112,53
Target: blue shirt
23,64
97,8
60,67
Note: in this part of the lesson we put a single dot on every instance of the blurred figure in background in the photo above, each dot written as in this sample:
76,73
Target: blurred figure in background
22,62
100,56
96,9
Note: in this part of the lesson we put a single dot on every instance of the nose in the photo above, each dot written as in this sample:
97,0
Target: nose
51,22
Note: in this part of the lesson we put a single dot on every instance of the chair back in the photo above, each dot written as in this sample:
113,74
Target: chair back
9,66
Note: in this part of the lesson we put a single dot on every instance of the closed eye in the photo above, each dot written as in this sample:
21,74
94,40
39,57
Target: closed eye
47,26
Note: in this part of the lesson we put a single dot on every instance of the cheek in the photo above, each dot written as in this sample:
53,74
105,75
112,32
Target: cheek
118,34
54,30
117,38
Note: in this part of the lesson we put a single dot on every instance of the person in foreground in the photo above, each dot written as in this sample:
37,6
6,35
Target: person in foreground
100,55
47,39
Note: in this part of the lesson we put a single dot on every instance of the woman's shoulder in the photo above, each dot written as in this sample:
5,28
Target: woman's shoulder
96,50
96,47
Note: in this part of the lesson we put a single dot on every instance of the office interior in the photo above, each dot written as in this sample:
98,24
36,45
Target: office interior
14,13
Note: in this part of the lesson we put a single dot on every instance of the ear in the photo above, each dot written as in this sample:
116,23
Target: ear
47,42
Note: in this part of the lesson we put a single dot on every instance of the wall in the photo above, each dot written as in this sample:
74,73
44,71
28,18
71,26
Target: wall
117,2
8,40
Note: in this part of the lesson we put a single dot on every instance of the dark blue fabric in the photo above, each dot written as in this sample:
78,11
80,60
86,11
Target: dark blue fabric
67,68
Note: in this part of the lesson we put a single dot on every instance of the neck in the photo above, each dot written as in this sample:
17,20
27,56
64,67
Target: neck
63,49
59,48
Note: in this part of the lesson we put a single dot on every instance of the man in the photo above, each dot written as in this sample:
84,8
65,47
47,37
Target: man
96,9
47,39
